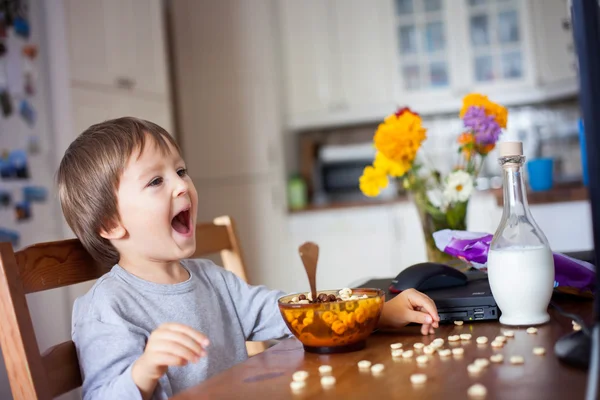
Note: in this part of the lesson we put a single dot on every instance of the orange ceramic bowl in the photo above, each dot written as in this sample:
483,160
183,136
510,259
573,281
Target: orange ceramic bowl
335,327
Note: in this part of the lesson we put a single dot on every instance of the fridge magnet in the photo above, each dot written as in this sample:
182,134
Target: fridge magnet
29,85
2,25
21,26
33,145
5,198
33,194
14,166
10,236
5,103
23,210
27,112
30,51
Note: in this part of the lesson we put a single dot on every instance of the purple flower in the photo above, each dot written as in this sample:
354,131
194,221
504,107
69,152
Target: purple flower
485,127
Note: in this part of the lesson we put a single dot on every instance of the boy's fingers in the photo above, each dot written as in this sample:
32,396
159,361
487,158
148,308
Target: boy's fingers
175,349
169,359
197,336
418,299
425,329
180,338
419,317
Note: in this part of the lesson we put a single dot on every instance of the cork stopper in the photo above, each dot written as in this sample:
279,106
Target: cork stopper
510,149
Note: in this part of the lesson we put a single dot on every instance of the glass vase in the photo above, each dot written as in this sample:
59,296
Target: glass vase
433,220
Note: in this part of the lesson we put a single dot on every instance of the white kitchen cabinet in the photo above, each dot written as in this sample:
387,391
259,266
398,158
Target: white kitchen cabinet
228,105
119,44
354,245
348,62
90,106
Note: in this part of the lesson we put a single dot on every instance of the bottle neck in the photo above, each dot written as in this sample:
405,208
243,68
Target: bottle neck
515,195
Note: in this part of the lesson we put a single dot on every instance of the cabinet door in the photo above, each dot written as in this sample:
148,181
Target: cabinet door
92,106
554,45
309,56
423,54
500,51
118,44
90,51
365,52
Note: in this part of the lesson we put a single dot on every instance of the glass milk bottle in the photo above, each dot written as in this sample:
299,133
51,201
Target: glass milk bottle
520,263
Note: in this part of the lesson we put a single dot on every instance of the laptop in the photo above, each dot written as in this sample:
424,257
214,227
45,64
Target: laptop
471,302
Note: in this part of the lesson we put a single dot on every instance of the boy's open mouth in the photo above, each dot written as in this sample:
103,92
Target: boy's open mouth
181,222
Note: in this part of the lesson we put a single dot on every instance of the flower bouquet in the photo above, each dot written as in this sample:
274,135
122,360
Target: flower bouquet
440,199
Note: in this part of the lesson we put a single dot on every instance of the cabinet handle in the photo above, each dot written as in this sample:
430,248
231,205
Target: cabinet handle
125,83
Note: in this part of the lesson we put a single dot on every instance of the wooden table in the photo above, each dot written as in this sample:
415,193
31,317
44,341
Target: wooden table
267,375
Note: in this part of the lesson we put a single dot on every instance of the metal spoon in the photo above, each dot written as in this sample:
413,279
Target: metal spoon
309,253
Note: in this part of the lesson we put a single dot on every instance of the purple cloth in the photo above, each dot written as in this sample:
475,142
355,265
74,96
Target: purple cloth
470,250
485,127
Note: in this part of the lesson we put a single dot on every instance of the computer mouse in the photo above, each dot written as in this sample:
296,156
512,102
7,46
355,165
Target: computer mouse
427,276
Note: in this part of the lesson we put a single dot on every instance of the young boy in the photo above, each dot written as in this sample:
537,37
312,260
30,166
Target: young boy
158,323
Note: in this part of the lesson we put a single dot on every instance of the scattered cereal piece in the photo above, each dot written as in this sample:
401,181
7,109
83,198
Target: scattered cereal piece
422,359
576,326
418,379
482,362
428,350
532,331
396,346
517,360
397,353
509,334
435,345
418,346
407,354
297,385
438,341
477,391
497,344
300,376
454,338
325,369
459,323
473,368
465,336
377,368
497,358
539,351
500,339
364,364
327,381
482,340
446,352
303,302
459,351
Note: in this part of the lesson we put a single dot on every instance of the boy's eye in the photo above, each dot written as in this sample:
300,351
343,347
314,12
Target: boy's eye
155,182
182,172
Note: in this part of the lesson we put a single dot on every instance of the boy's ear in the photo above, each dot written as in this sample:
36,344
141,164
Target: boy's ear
117,231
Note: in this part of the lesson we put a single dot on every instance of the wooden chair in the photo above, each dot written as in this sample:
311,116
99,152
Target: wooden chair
57,264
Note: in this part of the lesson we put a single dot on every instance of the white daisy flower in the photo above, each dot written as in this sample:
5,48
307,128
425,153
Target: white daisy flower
459,187
436,198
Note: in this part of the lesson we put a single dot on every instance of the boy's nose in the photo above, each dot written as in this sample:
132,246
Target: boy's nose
181,189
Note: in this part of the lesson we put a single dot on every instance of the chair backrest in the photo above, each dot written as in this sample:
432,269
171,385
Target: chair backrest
62,263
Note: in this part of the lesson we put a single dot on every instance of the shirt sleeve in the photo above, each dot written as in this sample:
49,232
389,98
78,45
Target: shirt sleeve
106,354
257,309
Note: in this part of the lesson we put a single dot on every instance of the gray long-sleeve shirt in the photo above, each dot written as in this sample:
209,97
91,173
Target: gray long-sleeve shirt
112,323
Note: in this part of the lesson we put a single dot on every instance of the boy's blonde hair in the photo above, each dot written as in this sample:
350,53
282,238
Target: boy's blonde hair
89,174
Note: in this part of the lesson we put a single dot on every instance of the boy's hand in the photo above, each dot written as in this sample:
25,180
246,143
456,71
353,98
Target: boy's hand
169,345
410,306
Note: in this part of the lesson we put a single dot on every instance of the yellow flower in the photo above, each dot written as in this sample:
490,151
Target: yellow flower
389,167
400,136
372,181
499,112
